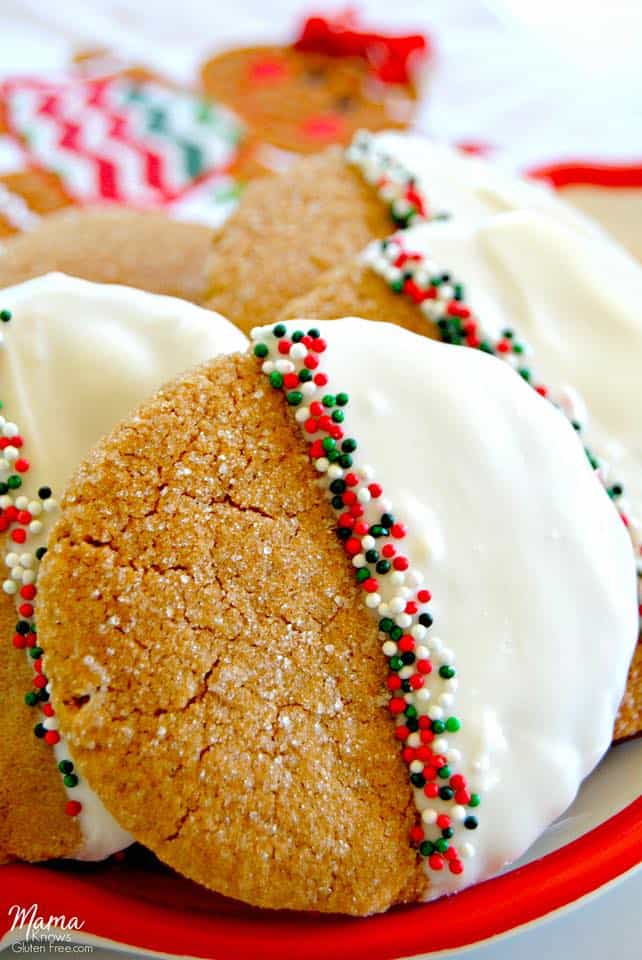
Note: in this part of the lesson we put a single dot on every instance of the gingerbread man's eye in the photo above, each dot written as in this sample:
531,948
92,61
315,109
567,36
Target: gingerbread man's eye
315,75
344,103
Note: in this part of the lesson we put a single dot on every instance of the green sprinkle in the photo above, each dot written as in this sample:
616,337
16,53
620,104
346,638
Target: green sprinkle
329,400
36,652
525,374
31,698
338,486
276,379
395,663
44,493
426,848
14,481
349,445
65,766
396,285
279,331
261,350
410,711
5,316
417,780
386,624
475,800
444,772
383,566
438,726
70,780
342,399
328,443
452,724
441,845
396,633
345,461
294,397
362,574
40,552
338,416
314,333
297,335
446,793
305,375
471,823
447,672
39,731
4,488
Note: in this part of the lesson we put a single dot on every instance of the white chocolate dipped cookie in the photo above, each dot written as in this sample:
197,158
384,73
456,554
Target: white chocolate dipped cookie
346,623
75,358
528,288
291,228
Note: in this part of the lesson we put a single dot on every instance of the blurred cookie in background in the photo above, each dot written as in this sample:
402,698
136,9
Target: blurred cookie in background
113,245
25,196
332,81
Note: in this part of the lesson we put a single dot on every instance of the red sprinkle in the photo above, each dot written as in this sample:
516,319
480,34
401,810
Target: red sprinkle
73,808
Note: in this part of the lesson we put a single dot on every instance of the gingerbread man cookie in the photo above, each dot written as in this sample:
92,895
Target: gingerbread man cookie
75,358
333,81
334,612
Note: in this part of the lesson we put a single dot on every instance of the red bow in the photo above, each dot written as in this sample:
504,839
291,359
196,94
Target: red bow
388,57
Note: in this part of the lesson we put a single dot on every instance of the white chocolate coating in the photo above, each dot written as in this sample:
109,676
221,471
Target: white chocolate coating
467,186
573,299
530,568
76,358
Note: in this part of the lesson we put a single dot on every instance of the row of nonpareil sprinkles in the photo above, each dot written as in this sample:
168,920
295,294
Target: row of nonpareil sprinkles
422,681
396,186
22,522
442,300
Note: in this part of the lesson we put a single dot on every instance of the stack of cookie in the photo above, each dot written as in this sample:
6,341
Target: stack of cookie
341,615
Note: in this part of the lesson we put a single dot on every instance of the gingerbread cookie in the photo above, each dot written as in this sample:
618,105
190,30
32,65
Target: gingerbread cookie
289,229
75,358
212,658
145,250
26,196
333,81
527,274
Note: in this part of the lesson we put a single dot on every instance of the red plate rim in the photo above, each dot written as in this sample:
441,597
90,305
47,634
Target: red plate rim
615,176
492,908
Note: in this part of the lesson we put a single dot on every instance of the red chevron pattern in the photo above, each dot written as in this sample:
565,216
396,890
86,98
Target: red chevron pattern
113,139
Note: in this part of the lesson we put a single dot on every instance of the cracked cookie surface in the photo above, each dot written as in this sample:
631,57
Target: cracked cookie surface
213,666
